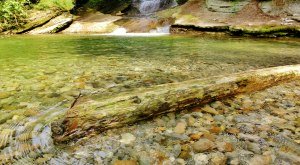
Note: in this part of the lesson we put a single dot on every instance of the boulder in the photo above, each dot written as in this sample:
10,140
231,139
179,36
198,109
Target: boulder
55,25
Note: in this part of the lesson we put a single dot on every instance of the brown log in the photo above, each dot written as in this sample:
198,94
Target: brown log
98,115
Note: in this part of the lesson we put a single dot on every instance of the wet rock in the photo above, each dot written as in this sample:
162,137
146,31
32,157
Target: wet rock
203,145
196,136
209,136
100,154
217,104
127,138
297,122
219,118
55,25
225,6
4,95
234,131
125,162
254,147
289,157
167,162
41,160
278,112
144,160
191,121
225,147
160,129
176,136
218,158
200,159
36,19
180,161
185,152
260,160
160,122
215,130
180,128
197,114
210,110
93,23
176,150
81,154
246,128
234,161
253,138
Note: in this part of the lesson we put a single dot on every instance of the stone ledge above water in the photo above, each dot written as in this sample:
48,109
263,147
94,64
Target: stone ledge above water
239,30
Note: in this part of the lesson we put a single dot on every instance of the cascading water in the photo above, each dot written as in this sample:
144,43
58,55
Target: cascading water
145,8
150,6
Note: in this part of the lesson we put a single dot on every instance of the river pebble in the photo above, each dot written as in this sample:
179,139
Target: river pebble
257,128
205,136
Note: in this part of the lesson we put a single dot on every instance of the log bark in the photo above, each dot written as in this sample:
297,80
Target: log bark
99,115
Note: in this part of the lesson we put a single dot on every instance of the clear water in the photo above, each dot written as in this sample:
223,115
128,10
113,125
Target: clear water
43,70
40,76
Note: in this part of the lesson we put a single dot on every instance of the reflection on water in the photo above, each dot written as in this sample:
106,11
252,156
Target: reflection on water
40,76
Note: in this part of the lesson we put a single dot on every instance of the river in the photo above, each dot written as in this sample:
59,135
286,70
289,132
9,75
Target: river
41,76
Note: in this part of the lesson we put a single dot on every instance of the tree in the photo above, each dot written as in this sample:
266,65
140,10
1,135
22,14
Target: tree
13,12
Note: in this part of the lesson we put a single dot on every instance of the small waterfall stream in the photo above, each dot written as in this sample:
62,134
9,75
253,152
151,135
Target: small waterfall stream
145,8
149,6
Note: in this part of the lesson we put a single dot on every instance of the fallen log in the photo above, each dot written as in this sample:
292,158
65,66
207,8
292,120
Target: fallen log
98,115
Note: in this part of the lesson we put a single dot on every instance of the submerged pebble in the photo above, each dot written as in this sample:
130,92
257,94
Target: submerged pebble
38,87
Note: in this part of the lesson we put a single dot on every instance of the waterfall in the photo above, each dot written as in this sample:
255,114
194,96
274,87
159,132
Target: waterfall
150,6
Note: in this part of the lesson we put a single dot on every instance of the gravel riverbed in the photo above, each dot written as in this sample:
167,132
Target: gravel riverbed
260,128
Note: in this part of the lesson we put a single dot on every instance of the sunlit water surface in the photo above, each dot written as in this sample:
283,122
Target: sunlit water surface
40,76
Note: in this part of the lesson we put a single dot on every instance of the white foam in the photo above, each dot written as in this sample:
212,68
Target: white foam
159,31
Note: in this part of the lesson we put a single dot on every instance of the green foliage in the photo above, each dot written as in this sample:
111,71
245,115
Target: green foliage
13,12
64,5
95,2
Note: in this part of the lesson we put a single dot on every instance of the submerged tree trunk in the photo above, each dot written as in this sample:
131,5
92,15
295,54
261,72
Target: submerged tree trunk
98,115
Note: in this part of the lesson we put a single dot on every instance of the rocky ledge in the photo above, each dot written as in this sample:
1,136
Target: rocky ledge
247,18
242,18
240,30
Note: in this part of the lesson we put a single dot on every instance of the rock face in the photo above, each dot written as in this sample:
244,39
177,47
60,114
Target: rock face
36,19
250,18
93,23
55,25
226,6
93,114
127,138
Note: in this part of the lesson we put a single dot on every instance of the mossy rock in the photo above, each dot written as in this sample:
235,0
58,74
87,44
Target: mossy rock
37,18
266,30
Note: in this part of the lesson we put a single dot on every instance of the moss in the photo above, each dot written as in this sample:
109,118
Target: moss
64,5
266,30
168,12
258,31
36,23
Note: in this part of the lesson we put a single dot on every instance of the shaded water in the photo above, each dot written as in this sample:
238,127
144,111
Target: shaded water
40,76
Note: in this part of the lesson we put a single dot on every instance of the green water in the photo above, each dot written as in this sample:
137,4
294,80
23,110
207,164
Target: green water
39,72
43,70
